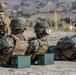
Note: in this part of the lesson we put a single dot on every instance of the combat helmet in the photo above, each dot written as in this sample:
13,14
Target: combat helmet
18,23
2,6
42,27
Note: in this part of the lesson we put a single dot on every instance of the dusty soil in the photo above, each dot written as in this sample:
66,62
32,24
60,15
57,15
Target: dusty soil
58,68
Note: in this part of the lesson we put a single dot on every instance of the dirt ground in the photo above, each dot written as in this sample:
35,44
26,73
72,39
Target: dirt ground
58,68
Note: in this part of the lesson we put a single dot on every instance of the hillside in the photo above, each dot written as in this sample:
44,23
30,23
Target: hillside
37,8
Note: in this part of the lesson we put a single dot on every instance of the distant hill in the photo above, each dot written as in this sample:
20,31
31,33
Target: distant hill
35,8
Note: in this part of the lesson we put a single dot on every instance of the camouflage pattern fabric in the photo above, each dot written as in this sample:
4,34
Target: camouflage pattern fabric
21,36
33,46
36,46
74,42
4,25
4,22
67,42
13,44
42,27
18,23
43,46
65,48
20,46
58,55
7,45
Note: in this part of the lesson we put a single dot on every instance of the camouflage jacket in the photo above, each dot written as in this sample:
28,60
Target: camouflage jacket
7,46
36,46
6,24
65,48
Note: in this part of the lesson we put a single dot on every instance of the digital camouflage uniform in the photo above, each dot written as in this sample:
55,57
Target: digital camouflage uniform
65,48
13,44
38,45
4,22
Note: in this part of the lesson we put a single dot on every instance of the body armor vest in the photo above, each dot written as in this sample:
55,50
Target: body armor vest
20,46
42,49
19,49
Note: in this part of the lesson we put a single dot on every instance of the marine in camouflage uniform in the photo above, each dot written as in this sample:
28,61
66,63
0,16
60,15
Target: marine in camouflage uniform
4,21
38,44
65,49
14,44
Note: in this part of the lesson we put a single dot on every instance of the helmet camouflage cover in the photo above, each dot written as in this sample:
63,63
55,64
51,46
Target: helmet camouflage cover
2,6
41,27
18,23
